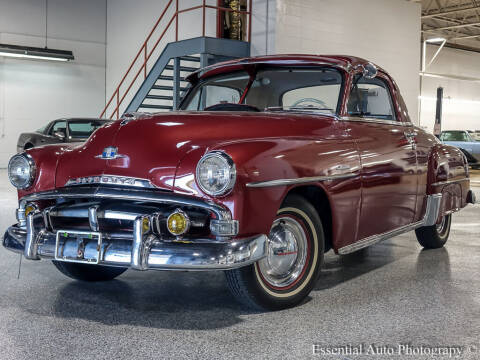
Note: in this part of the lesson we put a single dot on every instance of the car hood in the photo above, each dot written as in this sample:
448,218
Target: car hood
152,146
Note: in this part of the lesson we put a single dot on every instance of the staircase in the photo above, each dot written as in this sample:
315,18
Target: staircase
162,88
164,80
165,94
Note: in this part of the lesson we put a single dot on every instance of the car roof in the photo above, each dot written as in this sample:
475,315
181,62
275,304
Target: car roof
345,62
82,119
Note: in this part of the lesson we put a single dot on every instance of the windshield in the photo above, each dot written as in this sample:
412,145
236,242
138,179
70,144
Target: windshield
271,89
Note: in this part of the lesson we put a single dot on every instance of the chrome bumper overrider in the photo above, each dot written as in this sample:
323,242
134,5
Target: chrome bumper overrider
142,253
36,239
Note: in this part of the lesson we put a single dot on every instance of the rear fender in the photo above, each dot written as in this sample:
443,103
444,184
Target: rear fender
448,175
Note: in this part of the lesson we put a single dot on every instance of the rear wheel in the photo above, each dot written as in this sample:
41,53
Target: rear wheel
86,272
435,236
291,268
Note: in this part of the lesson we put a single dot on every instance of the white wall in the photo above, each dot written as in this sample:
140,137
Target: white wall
33,92
129,23
461,105
386,32
263,27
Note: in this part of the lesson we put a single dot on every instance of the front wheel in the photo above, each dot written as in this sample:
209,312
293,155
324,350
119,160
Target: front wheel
87,272
435,236
294,258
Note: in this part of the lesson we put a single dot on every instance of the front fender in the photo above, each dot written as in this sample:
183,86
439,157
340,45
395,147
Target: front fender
46,160
260,160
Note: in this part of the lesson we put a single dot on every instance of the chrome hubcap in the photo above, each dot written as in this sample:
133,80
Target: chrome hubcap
287,253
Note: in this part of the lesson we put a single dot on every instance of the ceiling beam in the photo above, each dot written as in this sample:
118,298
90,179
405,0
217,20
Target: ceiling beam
449,12
464,37
458,26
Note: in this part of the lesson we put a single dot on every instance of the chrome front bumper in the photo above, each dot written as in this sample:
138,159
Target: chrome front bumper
143,253
36,239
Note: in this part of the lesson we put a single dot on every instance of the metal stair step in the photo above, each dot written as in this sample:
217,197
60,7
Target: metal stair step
182,68
159,97
151,106
190,58
164,87
169,78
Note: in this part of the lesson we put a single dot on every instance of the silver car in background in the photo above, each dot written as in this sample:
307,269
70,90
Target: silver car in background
72,130
465,142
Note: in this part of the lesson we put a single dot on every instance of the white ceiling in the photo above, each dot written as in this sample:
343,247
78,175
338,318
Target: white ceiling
456,20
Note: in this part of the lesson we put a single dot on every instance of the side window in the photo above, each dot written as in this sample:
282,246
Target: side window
58,126
213,95
220,94
371,98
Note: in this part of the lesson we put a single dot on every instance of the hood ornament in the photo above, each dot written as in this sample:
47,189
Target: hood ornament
109,153
131,116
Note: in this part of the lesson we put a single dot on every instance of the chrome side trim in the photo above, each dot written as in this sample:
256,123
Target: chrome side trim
447,182
375,121
302,180
430,218
377,238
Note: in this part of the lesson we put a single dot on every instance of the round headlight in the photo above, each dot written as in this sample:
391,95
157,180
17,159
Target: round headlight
21,170
216,173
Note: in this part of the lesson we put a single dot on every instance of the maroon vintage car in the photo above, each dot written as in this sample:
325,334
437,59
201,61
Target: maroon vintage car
271,162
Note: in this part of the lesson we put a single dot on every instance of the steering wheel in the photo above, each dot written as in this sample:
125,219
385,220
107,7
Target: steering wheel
316,101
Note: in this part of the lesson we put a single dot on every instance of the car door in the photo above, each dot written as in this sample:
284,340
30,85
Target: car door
387,148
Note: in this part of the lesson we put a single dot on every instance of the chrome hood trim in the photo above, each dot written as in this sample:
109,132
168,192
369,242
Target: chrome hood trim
111,180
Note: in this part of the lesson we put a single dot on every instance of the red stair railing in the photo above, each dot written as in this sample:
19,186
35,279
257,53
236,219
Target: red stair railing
147,52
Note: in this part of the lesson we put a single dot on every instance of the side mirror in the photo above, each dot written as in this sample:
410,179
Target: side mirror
60,134
370,71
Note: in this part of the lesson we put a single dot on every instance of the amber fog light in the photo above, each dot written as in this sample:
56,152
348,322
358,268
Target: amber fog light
145,224
30,208
178,223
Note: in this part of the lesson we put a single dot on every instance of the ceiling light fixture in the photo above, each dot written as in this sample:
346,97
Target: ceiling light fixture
28,52
435,40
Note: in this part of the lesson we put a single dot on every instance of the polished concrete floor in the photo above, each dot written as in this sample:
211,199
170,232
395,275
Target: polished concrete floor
392,293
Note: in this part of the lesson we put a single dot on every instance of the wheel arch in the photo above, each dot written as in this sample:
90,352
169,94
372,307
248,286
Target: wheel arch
318,198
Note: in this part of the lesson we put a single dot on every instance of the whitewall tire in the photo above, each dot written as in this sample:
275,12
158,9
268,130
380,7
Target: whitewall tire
294,258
